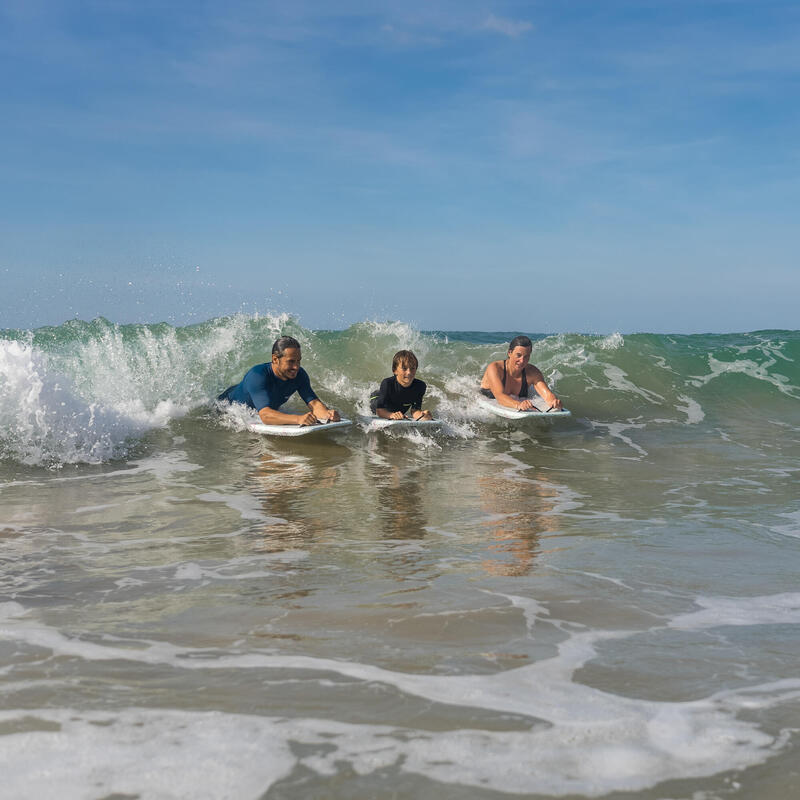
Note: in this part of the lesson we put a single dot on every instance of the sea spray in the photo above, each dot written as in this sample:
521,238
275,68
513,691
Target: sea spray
44,421
81,390
606,606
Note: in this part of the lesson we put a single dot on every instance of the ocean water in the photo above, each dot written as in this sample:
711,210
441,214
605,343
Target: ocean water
606,606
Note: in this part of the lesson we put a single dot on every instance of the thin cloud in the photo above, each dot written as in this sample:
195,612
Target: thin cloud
508,27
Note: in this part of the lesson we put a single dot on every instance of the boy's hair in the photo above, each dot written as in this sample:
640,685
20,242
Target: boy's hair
406,358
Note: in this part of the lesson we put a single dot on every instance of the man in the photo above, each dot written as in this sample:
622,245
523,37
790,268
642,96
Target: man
266,387
508,380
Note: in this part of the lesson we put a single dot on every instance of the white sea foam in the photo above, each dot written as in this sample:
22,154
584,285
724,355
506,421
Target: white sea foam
792,528
616,430
148,754
719,611
612,342
162,466
618,379
582,740
753,369
44,421
246,505
404,335
441,532
85,398
692,409
232,569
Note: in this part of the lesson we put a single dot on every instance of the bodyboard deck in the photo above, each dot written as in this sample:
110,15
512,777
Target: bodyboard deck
378,423
491,405
297,430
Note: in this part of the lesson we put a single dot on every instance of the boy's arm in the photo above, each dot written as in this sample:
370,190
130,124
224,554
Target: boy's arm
416,410
380,402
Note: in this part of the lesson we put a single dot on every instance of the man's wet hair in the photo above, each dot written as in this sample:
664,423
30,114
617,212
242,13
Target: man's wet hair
520,341
283,344
406,358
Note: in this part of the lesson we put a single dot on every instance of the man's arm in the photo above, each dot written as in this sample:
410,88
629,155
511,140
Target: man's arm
269,416
320,411
258,388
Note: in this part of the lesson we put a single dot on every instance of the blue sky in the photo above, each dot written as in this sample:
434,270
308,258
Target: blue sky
542,166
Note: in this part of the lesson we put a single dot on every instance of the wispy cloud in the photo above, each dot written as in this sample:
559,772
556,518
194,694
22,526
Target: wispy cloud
508,27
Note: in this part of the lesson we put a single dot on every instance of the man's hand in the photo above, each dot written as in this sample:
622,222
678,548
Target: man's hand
307,419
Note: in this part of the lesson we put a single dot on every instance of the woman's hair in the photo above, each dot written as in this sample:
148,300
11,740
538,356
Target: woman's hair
406,358
520,341
283,344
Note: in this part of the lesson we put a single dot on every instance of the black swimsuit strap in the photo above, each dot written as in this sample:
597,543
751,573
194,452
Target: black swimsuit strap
523,389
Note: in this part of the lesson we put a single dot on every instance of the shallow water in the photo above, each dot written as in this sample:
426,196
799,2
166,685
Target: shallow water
606,606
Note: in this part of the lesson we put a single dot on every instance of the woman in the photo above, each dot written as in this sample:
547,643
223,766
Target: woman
507,381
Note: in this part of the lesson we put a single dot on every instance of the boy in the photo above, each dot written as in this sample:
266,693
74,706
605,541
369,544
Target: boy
402,392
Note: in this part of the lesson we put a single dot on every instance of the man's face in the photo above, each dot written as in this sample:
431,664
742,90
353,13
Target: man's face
286,366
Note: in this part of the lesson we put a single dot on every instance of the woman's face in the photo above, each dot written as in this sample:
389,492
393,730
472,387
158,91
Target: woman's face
518,358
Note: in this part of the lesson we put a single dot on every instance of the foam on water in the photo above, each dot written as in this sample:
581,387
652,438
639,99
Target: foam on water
230,570
618,380
759,371
84,392
245,504
774,609
612,342
617,431
692,409
211,755
44,421
581,740
792,528
138,753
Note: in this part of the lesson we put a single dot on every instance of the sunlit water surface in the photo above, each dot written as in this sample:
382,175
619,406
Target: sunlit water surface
605,606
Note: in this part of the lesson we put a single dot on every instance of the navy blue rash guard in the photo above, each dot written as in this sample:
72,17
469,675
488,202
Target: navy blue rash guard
261,388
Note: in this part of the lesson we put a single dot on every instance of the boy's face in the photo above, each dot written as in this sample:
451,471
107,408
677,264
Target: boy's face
405,374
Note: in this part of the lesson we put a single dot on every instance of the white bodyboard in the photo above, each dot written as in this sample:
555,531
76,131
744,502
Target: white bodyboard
491,405
378,423
297,430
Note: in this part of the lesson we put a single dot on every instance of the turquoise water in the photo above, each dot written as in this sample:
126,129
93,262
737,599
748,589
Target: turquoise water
601,606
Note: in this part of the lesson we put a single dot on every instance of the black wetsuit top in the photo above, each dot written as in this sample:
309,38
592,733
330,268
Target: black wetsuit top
393,397
523,391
